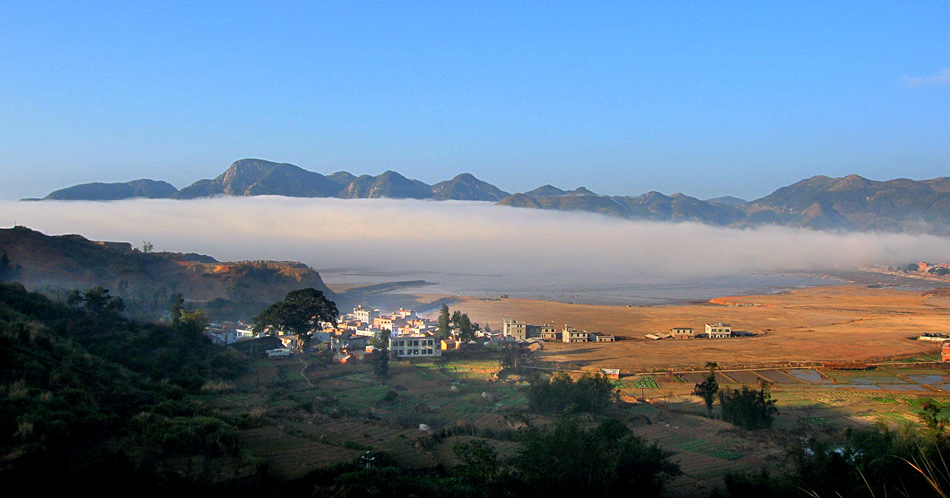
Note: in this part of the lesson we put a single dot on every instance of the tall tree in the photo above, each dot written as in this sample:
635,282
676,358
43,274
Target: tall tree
708,388
444,330
748,408
98,300
381,366
570,460
178,305
191,322
478,468
465,330
300,313
6,270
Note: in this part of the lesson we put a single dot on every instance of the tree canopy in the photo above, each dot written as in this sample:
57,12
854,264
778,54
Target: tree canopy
444,320
590,393
748,408
569,460
301,312
707,389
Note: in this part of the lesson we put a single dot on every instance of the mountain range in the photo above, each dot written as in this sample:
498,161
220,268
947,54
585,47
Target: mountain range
820,202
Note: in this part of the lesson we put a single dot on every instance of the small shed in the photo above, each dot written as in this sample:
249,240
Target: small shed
611,373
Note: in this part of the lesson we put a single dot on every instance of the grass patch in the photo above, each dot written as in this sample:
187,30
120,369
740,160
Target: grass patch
818,421
921,358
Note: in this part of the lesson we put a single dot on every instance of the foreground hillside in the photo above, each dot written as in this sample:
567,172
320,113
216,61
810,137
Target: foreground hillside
93,402
146,280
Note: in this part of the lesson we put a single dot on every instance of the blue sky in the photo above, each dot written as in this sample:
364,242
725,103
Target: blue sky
703,98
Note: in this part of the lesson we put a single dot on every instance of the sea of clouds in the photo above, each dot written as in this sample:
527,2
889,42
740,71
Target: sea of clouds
465,237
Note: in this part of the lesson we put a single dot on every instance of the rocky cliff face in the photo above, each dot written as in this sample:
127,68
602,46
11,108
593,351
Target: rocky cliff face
148,280
258,177
466,186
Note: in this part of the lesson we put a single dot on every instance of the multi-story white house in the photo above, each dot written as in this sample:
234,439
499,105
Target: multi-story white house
718,330
415,345
515,329
570,334
365,315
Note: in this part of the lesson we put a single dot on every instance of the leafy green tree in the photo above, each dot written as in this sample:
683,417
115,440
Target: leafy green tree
381,364
299,313
708,388
444,320
748,408
98,301
873,461
465,330
930,416
514,355
193,322
6,269
178,305
571,461
74,298
478,463
591,393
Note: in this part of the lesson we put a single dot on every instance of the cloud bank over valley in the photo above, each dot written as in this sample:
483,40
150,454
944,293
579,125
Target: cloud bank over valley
554,248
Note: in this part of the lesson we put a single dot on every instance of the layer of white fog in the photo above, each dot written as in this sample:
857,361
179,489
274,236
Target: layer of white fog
470,246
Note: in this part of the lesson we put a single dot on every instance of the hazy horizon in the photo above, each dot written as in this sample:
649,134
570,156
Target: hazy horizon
465,237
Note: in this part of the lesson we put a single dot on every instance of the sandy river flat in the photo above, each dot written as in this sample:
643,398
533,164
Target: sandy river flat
834,323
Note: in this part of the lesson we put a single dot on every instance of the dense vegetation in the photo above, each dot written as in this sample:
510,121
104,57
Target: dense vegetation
868,462
745,407
590,393
91,400
564,460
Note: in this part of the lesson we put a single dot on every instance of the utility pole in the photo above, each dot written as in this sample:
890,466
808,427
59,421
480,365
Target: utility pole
368,461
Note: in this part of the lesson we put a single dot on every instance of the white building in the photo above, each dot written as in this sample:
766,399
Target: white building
515,329
718,330
682,333
365,315
570,334
406,314
415,345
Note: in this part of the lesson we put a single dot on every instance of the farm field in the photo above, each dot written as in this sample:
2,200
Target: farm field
347,411
799,327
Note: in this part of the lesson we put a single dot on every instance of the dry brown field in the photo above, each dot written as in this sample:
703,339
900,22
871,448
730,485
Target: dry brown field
819,324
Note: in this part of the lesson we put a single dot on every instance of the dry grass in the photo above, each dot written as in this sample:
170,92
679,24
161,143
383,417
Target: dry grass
832,323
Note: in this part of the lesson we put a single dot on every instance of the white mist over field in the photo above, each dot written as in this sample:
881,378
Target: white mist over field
465,238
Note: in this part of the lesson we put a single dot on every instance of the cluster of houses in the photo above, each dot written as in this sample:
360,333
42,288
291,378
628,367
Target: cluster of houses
410,336
225,333
713,331
931,268
521,331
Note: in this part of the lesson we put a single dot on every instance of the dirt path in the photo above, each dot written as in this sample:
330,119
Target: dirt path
304,369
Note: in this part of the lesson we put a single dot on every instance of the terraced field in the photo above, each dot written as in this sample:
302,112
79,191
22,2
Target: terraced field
349,411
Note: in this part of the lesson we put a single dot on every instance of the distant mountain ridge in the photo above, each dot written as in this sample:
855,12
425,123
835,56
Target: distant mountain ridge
145,188
249,177
820,202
